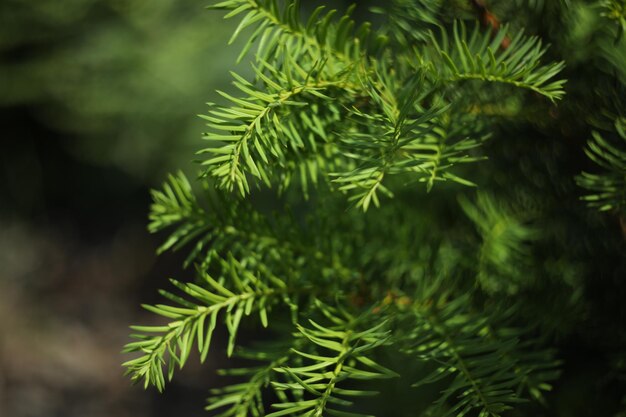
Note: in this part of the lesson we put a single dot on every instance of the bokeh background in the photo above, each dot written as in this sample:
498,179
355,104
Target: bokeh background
97,103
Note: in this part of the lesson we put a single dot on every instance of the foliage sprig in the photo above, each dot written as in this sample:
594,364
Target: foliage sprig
338,114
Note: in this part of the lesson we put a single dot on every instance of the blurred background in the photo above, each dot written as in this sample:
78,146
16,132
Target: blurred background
97,103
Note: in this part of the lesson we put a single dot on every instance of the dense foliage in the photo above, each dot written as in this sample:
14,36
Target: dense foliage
401,193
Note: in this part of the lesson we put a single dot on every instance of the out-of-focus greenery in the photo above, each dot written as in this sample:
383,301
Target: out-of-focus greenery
97,98
125,79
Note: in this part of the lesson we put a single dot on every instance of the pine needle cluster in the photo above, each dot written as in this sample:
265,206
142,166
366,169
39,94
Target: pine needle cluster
336,209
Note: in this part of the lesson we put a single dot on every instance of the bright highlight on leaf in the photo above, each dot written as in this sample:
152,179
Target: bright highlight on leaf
194,317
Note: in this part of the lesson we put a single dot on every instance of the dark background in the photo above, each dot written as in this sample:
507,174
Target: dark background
97,103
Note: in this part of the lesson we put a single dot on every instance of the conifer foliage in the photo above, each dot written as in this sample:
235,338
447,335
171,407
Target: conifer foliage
336,210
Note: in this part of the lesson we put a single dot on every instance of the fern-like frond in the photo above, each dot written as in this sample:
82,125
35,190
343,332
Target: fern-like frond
194,318
176,204
608,190
210,226
480,55
536,367
409,22
258,131
615,10
403,138
278,31
483,370
245,398
507,237
335,355
294,249
332,110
